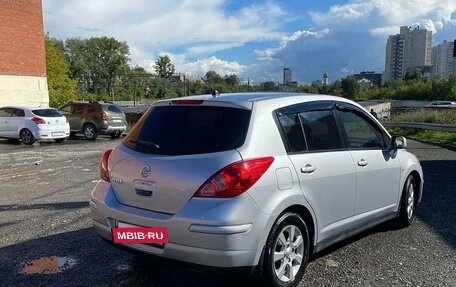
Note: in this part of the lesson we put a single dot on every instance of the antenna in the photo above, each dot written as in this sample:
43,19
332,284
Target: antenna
214,93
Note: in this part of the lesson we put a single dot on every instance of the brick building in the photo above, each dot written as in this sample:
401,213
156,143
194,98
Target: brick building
22,54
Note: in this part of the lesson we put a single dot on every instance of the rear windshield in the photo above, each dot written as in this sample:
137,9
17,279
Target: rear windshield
112,109
50,113
184,130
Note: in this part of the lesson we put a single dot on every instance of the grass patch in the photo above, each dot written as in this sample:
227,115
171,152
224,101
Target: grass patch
429,136
444,117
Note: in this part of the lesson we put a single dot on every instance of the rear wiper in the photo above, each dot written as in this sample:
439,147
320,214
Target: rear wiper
146,144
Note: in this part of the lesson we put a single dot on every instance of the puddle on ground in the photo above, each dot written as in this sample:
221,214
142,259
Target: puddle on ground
48,265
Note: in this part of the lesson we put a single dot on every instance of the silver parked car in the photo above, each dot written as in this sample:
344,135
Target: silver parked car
30,124
258,180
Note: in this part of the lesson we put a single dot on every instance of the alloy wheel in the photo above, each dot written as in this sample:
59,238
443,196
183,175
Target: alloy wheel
288,253
410,199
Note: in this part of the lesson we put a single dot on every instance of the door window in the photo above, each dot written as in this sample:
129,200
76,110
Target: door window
78,109
310,130
5,112
320,130
361,134
65,110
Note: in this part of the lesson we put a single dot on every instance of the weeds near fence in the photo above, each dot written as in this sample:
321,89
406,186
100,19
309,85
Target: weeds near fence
444,117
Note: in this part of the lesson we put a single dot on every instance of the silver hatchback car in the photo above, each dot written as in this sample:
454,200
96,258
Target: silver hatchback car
258,180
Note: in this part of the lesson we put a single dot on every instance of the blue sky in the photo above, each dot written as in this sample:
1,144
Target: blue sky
253,39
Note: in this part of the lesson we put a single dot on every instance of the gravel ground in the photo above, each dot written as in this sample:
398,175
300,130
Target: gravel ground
47,240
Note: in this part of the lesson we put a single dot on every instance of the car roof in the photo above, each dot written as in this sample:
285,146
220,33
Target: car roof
27,108
246,99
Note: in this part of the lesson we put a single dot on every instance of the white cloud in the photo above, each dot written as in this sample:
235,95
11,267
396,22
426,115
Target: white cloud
162,25
210,48
201,67
353,37
342,13
302,34
196,29
348,37
384,31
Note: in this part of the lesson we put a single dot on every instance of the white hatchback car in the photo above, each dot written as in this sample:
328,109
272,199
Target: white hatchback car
257,180
32,124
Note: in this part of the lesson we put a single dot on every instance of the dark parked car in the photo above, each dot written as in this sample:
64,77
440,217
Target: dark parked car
93,118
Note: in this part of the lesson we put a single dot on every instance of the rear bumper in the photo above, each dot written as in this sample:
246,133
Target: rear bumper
219,233
59,132
113,129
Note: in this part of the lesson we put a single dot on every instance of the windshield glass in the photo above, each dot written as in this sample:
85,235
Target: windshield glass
184,130
49,113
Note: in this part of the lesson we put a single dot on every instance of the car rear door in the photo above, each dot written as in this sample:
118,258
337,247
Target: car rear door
326,171
16,122
5,126
76,116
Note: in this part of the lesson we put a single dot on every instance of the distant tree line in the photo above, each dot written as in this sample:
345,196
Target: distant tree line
98,68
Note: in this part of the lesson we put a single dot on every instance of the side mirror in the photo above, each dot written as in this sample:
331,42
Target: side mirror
398,142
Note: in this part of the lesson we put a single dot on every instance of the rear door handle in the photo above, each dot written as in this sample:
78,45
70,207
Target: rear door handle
362,162
308,169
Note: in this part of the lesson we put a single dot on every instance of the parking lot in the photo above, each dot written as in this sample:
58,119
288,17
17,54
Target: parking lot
47,239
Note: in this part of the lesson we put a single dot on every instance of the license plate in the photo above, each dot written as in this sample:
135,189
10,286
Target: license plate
117,121
57,134
132,234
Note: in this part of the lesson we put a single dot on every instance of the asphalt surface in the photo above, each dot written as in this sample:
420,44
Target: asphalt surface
46,238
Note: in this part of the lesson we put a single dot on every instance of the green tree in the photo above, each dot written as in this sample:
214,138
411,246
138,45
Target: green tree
162,88
197,88
268,86
96,63
231,80
213,78
413,75
133,85
350,87
336,89
443,89
61,88
163,67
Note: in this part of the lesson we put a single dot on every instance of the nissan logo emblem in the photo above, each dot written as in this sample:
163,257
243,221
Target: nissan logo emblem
145,171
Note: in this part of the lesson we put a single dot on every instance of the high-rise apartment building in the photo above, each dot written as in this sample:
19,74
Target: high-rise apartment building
287,78
411,48
444,60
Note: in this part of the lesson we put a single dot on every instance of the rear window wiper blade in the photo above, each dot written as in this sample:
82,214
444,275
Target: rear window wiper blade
146,144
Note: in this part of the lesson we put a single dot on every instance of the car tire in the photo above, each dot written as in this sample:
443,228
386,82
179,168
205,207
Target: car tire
26,137
115,135
14,141
287,251
407,206
90,132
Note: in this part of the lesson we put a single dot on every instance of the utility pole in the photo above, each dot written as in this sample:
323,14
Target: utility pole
185,87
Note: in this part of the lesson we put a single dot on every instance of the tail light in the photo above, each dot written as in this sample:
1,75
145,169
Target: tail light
235,178
38,121
103,116
104,172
